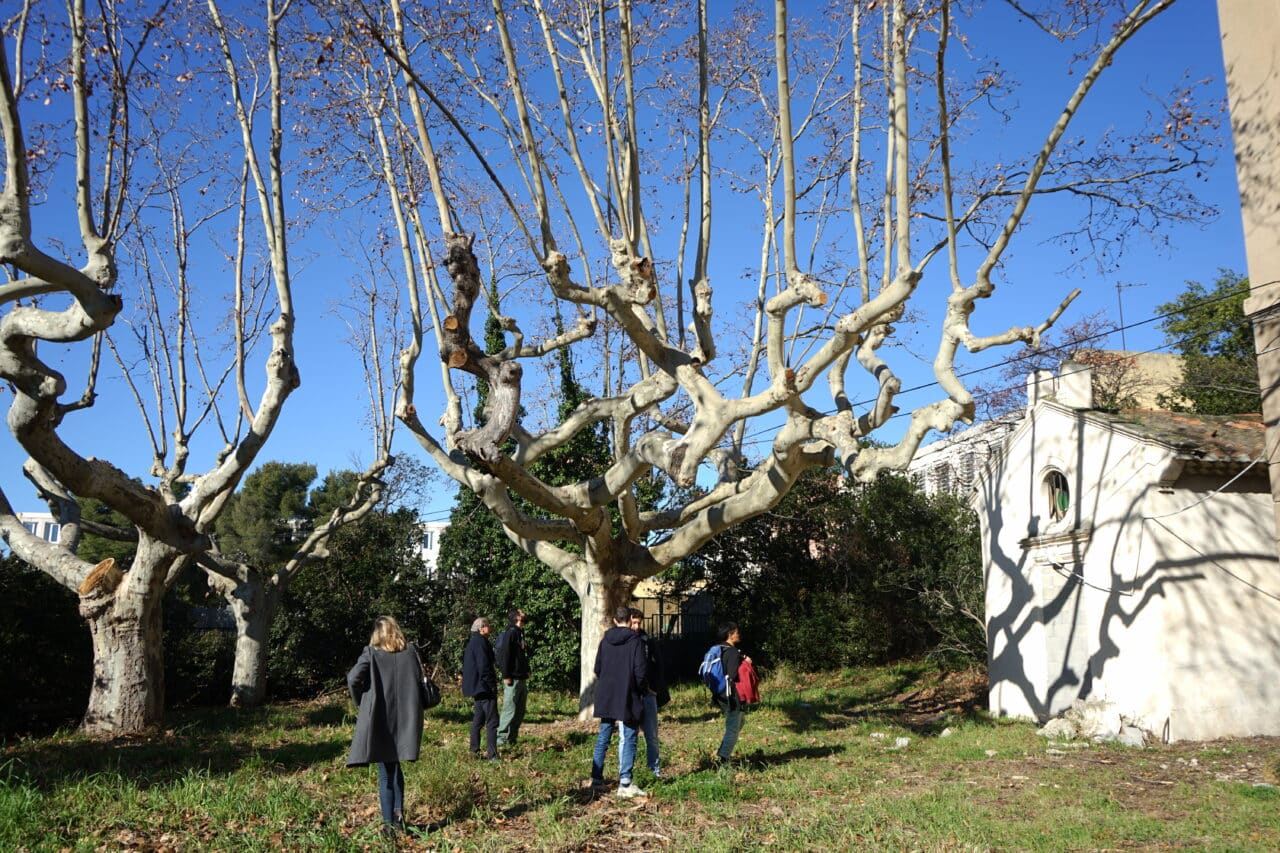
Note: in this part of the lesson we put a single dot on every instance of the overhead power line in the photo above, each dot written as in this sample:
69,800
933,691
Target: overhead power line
1025,356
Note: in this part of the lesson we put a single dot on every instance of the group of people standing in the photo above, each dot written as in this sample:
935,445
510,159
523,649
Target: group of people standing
480,682
386,684
631,686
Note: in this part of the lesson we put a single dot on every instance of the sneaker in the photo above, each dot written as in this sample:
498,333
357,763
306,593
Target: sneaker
657,774
598,784
631,790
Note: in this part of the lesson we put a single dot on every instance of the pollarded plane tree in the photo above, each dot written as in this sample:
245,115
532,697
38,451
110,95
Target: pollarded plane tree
120,109
253,581
593,121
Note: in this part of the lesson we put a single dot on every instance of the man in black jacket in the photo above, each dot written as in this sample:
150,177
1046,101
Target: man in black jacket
513,663
655,694
620,684
480,683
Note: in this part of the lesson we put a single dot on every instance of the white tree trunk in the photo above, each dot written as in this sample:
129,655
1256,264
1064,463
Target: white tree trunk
254,606
605,590
127,694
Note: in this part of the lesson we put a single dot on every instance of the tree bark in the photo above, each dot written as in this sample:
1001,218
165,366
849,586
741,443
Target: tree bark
253,603
125,622
606,589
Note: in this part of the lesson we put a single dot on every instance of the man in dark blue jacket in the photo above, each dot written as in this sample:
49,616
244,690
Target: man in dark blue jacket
620,685
481,683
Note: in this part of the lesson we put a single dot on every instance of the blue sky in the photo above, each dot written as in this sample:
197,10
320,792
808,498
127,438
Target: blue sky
323,421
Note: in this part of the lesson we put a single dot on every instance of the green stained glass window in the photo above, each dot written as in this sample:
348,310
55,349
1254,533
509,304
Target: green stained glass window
1059,494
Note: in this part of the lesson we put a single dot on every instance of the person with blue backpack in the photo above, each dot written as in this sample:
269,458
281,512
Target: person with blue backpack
719,672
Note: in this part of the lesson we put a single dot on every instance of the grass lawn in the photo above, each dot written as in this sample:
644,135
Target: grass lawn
893,758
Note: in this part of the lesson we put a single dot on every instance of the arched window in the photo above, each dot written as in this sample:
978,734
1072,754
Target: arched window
1057,494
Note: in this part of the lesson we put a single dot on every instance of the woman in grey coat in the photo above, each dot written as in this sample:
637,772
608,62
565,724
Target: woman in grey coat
386,683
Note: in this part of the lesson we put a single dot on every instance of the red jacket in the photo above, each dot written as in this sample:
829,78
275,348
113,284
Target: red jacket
748,683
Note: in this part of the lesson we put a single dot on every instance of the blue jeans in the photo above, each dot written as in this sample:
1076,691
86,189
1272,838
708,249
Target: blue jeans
626,751
391,792
649,723
733,719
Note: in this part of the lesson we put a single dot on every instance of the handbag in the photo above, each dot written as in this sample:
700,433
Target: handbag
430,693
428,690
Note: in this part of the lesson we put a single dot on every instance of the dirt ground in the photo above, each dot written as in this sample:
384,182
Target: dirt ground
1249,761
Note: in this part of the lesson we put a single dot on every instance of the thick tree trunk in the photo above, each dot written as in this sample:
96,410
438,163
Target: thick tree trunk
254,605
605,591
127,694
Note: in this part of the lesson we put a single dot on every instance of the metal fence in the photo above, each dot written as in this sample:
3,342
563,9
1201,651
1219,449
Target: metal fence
684,628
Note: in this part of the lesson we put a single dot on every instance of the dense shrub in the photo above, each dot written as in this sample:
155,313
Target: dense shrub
46,655
324,619
837,576
481,573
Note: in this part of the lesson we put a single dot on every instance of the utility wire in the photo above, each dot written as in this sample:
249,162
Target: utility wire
1024,356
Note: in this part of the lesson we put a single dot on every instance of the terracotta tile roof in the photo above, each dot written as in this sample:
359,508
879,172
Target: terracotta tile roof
1204,438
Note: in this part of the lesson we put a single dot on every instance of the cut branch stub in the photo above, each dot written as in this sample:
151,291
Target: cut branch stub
102,579
644,282
502,413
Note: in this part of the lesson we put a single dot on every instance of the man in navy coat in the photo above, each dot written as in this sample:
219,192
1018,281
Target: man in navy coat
620,685
480,682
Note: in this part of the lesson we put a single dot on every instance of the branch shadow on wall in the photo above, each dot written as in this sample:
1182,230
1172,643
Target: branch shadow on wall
1073,626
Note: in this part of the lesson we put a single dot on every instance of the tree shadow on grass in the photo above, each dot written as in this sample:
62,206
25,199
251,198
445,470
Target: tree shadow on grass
331,715
925,706
158,760
583,796
565,740
759,759
451,714
926,720
710,713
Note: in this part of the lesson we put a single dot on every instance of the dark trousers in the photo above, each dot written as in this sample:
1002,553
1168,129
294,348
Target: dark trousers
391,792
485,713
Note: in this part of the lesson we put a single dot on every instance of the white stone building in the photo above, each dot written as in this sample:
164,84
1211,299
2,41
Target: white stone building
1129,558
430,544
951,465
42,524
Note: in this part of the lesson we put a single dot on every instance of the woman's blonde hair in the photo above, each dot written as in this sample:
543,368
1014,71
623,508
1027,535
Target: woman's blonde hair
387,635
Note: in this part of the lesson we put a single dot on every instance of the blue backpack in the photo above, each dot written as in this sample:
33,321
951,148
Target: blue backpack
712,671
